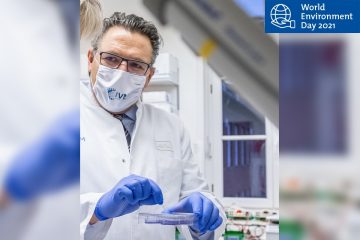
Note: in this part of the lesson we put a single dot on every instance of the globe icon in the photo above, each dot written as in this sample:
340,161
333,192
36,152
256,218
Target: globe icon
280,12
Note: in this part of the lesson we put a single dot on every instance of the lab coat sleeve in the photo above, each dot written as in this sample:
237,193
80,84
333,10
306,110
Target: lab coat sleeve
96,231
193,181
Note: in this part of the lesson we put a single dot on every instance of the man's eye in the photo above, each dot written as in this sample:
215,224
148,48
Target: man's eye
111,59
136,65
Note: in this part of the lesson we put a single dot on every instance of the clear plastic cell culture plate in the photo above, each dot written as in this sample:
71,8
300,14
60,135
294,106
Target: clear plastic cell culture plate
167,219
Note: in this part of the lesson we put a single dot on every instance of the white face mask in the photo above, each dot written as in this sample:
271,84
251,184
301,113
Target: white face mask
117,90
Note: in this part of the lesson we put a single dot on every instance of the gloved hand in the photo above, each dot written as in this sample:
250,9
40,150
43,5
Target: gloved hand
50,163
127,196
208,218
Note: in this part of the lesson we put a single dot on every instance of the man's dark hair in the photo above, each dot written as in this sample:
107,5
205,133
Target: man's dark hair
131,23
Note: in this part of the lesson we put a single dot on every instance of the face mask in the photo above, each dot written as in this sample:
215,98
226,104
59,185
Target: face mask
117,90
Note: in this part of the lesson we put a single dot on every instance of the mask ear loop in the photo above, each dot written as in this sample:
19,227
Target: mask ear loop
91,83
94,53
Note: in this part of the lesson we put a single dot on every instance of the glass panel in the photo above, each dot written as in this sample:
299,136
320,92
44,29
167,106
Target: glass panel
238,117
312,97
244,168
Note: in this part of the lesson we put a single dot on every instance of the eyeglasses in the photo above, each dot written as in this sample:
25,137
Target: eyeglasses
133,66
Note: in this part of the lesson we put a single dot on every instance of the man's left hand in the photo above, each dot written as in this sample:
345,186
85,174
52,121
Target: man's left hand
208,218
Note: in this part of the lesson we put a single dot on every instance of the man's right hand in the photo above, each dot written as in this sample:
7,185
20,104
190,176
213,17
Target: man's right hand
127,196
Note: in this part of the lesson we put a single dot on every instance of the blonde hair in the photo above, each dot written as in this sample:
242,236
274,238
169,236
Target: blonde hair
90,18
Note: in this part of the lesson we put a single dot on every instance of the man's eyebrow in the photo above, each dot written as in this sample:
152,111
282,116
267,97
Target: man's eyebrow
138,59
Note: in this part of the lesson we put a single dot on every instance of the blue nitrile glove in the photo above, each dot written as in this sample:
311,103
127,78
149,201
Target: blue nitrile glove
48,164
208,218
127,196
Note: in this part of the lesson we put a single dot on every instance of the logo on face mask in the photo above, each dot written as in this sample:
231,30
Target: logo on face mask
115,95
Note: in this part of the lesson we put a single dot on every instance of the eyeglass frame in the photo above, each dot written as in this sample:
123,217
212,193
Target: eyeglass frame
149,65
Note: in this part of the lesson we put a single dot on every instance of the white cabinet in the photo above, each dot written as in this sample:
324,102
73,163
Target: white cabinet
163,91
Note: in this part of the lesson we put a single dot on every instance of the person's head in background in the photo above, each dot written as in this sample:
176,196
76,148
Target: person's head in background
125,37
90,18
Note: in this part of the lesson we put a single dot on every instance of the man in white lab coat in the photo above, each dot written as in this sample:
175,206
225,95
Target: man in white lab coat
134,157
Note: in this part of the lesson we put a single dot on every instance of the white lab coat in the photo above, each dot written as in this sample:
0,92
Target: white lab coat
160,150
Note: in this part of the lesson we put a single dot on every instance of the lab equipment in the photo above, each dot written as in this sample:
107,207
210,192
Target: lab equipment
163,90
232,43
272,228
166,70
167,219
127,196
253,224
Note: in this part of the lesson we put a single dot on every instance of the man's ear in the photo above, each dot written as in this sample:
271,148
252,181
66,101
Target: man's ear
90,56
151,74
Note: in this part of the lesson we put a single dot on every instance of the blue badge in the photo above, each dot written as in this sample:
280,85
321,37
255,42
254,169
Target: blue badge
312,16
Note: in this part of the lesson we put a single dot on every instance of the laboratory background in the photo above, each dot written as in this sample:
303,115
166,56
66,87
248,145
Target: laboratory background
319,135
228,101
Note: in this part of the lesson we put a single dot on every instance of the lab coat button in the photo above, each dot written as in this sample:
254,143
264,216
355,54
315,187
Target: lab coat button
123,160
